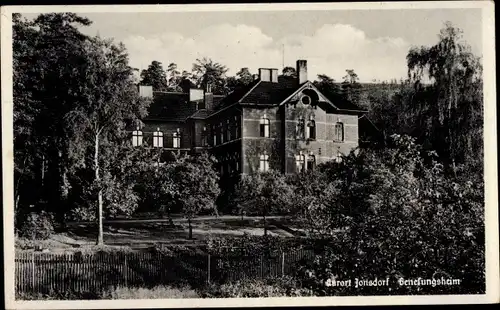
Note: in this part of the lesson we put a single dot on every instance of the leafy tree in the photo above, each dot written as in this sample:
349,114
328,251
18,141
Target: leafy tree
174,78
207,72
46,87
155,76
448,103
351,88
109,99
327,86
244,76
192,183
289,71
264,194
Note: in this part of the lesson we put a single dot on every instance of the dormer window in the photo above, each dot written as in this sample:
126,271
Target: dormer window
157,138
264,127
176,141
137,137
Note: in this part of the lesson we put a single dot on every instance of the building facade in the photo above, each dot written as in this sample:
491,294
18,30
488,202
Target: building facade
275,122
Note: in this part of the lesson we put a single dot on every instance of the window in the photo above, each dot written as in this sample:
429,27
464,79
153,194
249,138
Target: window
264,162
157,138
214,135
311,162
176,140
204,137
137,137
339,157
300,161
236,127
300,129
237,162
228,130
221,128
311,130
339,131
264,127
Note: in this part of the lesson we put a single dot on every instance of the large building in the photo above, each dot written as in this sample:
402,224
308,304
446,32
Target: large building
275,122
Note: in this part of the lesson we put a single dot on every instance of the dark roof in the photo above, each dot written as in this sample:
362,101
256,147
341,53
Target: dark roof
203,113
236,94
171,106
269,92
340,102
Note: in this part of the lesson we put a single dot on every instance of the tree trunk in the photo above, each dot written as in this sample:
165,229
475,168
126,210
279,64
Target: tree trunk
190,229
100,240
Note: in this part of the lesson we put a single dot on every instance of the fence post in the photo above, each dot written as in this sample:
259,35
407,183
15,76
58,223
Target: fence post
125,271
33,273
283,263
208,278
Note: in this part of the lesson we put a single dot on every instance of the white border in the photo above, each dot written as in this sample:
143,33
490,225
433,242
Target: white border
490,172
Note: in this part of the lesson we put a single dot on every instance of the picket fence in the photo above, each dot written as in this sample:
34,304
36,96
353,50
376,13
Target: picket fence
48,272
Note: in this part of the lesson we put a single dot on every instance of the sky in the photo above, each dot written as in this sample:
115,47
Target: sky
372,42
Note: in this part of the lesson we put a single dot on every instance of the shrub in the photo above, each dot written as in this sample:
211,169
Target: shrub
256,288
37,225
151,293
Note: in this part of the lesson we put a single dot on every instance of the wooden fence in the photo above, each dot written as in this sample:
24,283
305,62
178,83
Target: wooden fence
48,272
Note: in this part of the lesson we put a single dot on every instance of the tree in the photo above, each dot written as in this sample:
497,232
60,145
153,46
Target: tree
289,71
155,76
448,101
351,87
174,78
244,76
264,194
327,85
108,99
192,183
46,87
207,72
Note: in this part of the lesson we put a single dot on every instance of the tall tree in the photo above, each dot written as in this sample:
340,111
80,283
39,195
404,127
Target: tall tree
47,52
448,103
155,76
244,76
108,100
327,85
174,77
351,87
206,71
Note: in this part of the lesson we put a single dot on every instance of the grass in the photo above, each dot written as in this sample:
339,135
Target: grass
158,292
146,233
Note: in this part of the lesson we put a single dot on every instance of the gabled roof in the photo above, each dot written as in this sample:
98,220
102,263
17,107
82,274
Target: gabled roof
170,106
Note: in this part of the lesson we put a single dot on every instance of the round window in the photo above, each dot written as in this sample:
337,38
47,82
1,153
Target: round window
305,100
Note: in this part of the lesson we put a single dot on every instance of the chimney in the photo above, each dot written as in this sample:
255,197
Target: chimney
209,98
146,91
302,71
265,75
274,75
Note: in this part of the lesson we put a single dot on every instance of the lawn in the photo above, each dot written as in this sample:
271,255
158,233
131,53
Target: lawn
141,233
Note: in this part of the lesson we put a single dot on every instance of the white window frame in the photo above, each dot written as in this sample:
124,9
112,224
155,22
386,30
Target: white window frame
301,128
264,162
265,126
338,159
300,161
137,137
339,130
176,140
158,138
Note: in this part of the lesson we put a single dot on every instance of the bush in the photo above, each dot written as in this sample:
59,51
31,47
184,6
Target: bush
278,287
37,225
157,292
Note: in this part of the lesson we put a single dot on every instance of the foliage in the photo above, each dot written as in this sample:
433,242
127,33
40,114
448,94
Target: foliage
407,217
264,194
256,288
37,226
157,292
155,76
207,72
351,88
289,71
